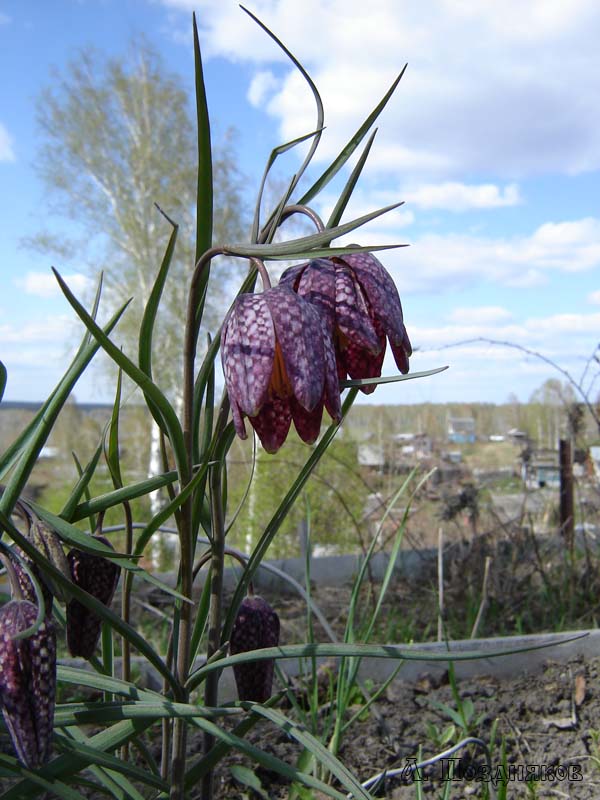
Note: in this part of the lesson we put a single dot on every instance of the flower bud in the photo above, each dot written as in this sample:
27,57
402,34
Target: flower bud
27,681
99,577
256,626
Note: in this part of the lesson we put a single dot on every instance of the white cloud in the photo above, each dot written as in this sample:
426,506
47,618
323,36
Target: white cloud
436,263
44,284
490,88
7,152
455,196
263,84
594,298
482,315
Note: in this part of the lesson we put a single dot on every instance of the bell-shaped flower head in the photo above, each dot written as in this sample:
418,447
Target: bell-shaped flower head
27,681
279,366
361,308
256,626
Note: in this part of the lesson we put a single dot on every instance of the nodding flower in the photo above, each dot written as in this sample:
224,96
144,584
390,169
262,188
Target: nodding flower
99,577
361,307
279,365
27,681
256,626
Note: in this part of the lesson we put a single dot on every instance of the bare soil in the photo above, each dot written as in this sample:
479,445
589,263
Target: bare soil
547,722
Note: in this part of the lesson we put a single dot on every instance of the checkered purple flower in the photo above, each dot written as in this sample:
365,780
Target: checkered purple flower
279,366
361,308
256,626
27,681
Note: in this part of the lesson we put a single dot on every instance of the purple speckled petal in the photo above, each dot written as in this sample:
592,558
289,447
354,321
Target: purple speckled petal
360,363
381,293
238,419
317,285
27,681
272,423
401,354
307,423
247,352
291,276
352,312
299,334
332,384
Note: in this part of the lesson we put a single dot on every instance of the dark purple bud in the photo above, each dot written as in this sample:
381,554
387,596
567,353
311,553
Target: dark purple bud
25,583
99,577
27,681
256,626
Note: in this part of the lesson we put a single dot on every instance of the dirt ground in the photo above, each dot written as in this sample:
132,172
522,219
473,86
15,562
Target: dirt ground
548,723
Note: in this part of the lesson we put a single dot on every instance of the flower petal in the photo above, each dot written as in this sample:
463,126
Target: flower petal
247,352
298,331
381,293
272,423
360,363
352,312
307,423
317,286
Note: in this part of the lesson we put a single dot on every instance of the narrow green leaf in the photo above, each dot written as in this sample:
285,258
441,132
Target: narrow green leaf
247,777
27,446
98,758
392,378
304,244
350,147
204,201
73,536
55,787
346,193
105,501
275,153
104,683
151,309
102,713
136,639
82,485
310,742
267,760
315,92
331,649
172,426
66,765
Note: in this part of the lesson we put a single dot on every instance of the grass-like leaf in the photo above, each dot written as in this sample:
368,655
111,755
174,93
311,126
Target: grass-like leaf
315,92
350,147
81,487
106,614
346,192
23,453
114,498
172,426
67,765
275,153
332,649
311,743
392,378
266,760
297,248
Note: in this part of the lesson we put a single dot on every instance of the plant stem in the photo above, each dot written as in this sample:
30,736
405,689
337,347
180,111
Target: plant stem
216,609
186,533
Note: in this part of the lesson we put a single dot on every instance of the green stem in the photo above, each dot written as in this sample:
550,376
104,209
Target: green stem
217,563
186,533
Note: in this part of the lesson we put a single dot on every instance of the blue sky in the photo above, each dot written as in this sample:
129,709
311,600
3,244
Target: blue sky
491,140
